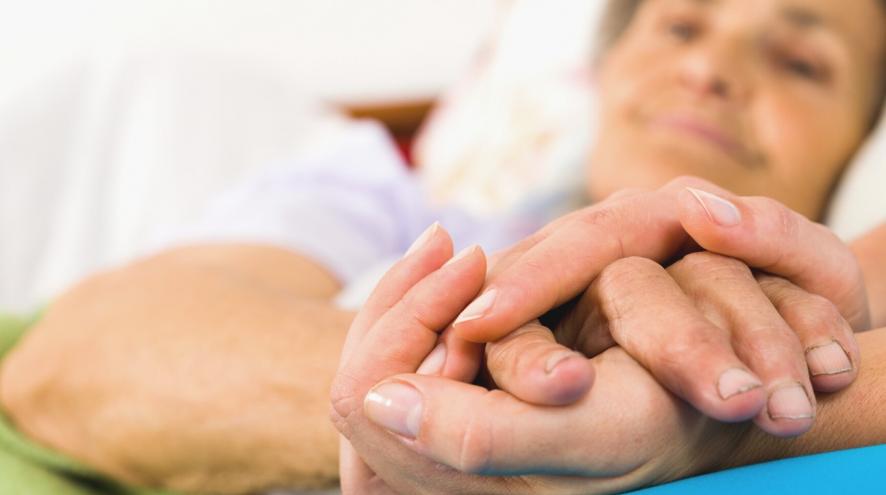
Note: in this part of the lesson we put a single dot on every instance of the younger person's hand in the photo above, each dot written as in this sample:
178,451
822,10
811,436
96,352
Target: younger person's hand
628,431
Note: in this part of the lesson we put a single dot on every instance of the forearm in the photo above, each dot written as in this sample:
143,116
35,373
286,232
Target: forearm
200,372
870,249
851,418
263,268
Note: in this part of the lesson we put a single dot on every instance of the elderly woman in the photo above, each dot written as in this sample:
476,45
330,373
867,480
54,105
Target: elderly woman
207,368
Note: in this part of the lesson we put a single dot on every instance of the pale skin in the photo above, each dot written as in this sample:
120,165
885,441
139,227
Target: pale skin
98,343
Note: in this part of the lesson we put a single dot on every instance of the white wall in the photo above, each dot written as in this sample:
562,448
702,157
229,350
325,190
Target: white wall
344,49
118,117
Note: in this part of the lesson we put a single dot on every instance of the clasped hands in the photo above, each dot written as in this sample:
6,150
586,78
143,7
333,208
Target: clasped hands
668,319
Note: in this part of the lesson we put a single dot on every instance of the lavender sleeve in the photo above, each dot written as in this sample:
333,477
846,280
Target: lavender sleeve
347,206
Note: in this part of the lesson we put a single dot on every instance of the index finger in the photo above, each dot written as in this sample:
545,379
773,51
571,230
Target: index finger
404,336
562,264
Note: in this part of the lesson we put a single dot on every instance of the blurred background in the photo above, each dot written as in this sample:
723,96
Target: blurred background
121,120
343,50
120,117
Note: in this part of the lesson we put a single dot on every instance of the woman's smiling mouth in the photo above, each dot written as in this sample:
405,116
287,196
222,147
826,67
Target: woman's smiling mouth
710,133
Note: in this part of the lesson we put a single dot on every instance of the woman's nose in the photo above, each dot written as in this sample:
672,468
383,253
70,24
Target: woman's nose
714,69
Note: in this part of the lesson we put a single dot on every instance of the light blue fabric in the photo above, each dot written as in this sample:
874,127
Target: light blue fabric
856,471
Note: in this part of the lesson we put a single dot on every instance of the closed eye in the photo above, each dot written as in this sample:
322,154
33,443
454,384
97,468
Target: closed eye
802,67
683,30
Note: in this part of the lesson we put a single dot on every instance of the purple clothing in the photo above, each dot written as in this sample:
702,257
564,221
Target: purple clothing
352,206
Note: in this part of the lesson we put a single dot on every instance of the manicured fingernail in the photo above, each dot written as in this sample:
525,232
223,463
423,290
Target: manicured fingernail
736,381
828,359
464,253
423,238
395,406
558,358
721,211
790,402
478,308
433,364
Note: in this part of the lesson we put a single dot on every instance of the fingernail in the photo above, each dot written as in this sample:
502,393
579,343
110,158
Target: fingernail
395,406
463,254
721,211
433,364
423,238
736,381
828,359
478,308
790,402
558,358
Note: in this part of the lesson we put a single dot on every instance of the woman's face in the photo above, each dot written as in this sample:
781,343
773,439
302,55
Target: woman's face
763,97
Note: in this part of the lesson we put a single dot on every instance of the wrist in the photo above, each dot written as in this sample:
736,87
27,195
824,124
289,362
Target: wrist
848,419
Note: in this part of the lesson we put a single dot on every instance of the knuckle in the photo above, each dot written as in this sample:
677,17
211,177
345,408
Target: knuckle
685,345
684,181
596,217
477,443
418,311
627,192
598,221
474,452
785,221
345,401
711,265
620,278
637,264
788,225
815,314
626,273
507,358
773,345
498,354
339,422
776,288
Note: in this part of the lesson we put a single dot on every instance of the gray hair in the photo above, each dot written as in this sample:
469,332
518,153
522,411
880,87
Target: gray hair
618,15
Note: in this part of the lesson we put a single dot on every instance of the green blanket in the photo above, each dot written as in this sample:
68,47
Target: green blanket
29,468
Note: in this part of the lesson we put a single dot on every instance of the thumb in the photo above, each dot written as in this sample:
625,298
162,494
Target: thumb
767,235
532,366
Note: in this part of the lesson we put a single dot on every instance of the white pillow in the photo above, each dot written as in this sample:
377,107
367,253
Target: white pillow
516,130
519,128
859,202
